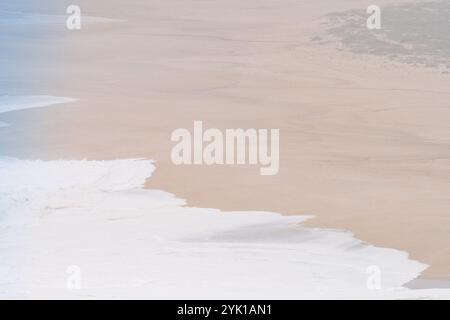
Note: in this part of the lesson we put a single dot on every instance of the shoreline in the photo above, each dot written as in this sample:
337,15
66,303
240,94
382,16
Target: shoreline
68,205
60,201
360,138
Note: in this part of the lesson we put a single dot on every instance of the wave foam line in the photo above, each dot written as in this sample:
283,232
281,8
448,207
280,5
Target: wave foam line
15,103
134,243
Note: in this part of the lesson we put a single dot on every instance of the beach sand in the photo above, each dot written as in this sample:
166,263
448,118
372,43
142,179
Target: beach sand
364,140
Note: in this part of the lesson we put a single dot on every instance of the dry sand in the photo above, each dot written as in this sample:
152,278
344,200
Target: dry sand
365,143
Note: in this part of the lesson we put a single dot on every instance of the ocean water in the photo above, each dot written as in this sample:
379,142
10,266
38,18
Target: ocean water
32,39
9,18
23,37
15,103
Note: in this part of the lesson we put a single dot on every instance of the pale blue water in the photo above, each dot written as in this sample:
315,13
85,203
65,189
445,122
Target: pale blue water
27,29
31,39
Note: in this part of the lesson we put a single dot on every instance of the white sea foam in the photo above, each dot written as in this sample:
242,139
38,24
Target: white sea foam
136,243
14,103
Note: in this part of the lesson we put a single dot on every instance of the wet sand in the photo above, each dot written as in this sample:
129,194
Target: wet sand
364,140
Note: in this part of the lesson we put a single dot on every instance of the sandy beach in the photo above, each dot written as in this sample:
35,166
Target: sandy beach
364,139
